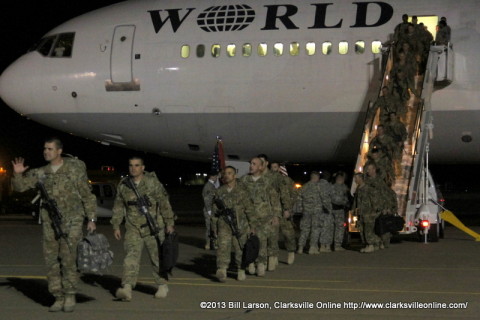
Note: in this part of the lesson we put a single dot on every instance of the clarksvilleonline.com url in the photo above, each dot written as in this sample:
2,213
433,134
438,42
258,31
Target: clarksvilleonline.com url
330,305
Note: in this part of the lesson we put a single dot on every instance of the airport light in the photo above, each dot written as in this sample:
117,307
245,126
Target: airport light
3,171
298,185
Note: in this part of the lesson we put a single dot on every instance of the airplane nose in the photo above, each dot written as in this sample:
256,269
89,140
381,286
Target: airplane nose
15,85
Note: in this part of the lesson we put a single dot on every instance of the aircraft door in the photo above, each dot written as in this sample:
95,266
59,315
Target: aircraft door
121,55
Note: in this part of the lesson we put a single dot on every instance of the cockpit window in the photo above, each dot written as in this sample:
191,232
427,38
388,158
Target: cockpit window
63,45
56,46
45,45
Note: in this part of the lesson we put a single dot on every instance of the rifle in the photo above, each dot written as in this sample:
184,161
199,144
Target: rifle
142,204
229,217
53,212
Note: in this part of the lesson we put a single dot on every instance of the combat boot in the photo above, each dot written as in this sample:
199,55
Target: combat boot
271,263
207,246
300,250
58,305
70,302
368,249
162,291
325,248
241,275
291,257
313,250
261,270
251,268
221,274
125,293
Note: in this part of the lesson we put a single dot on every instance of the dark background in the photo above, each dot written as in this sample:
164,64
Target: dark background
23,25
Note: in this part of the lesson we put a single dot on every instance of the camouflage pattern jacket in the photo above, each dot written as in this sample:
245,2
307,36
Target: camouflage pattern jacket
124,205
281,187
208,192
312,198
68,186
339,194
364,202
238,200
265,199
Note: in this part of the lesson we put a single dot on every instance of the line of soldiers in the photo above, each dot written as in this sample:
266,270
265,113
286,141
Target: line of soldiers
66,183
262,201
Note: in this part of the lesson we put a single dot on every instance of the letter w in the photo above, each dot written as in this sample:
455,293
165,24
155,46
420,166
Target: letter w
173,16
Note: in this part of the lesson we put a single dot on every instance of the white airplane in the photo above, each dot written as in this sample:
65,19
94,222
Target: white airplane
291,79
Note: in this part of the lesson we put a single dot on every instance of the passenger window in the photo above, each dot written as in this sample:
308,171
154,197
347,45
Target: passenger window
376,46
63,45
343,47
185,52
360,47
216,50
278,49
231,50
108,191
247,50
262,49
310,48
327,47
294,49
200,51
45,45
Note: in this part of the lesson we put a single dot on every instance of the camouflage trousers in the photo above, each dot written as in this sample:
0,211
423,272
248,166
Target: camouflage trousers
61,256
133,246
286,229
367,229
309,227
226,241
264,231
326,229
339,226
210,225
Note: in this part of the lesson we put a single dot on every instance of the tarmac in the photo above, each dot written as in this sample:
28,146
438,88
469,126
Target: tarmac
410,280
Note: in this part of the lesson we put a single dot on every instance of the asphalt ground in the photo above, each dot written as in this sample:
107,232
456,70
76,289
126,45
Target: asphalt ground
409,278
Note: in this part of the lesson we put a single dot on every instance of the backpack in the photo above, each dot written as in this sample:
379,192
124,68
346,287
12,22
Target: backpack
93,254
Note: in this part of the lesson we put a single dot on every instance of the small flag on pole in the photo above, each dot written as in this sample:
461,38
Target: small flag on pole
218,158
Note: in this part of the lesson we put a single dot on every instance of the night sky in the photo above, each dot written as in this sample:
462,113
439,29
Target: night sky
22,25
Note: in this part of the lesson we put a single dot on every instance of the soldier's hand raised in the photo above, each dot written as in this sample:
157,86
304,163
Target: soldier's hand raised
18,165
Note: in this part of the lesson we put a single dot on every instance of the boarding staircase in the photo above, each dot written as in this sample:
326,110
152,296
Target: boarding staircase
412,182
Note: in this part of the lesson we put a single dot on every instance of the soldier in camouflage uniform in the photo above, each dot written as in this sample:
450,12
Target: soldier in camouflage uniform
208,193
340,203
137,233
287,228
66,182
387,103
384,165
397,130
234,197
267,209
311,204
367,210
326,217
283,193
390,206
359,179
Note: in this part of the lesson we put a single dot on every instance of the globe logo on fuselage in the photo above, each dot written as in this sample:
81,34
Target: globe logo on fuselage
226,18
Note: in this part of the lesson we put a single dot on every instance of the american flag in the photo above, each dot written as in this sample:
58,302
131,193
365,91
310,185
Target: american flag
218,158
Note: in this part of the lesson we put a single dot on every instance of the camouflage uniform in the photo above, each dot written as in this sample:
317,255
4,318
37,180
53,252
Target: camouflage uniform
69,187
208,193
238,200
390,206
386,104
311,204
284,195
385,169
266,205
137,233
339,204
326,217
366,207
286,225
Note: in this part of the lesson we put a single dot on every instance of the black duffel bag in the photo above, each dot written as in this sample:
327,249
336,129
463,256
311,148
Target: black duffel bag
388,223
